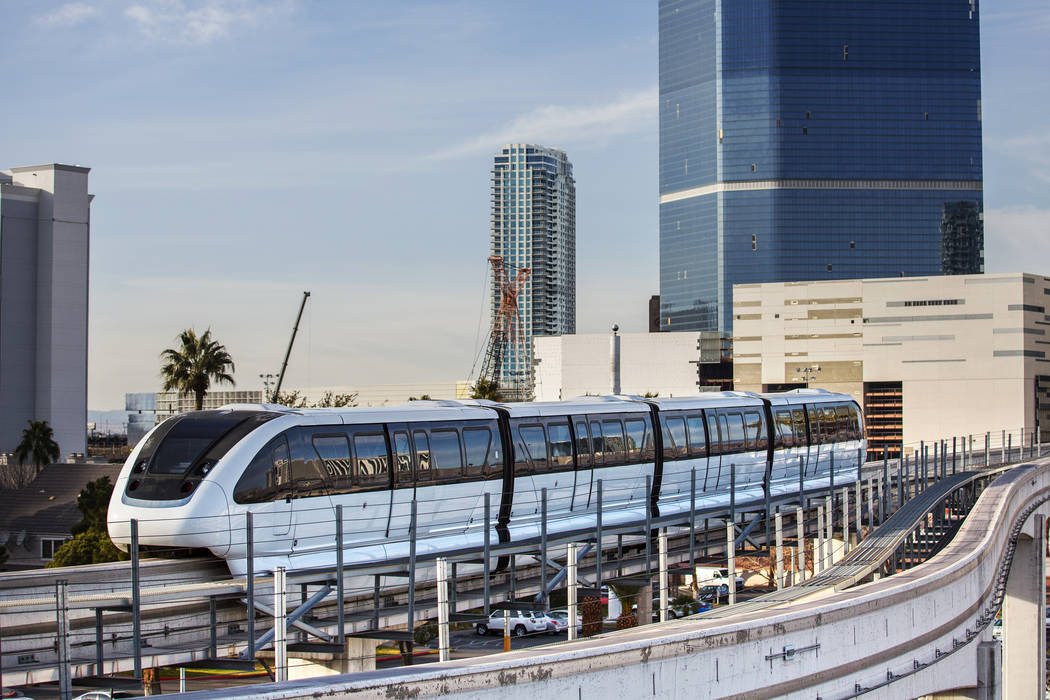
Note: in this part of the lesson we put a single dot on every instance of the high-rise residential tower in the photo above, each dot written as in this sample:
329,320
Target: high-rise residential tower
810,140
534,227
45,213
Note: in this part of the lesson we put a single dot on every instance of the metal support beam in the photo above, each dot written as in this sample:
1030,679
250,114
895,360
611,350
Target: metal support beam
280,627
291,619
442,601
731,561
572,556
136,605
65,680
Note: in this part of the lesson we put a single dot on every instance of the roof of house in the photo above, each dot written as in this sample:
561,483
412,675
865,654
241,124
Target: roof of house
48,506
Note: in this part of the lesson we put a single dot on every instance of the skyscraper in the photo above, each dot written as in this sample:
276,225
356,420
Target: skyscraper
534,227
45,213
807,140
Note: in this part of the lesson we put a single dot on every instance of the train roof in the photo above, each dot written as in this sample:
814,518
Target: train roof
798,396
707,399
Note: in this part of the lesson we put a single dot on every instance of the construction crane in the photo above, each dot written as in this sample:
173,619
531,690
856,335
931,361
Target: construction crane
504,329
291,341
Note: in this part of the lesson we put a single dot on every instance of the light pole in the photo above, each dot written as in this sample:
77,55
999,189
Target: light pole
267,381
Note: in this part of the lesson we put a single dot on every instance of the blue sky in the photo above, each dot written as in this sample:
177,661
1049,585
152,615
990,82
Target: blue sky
243,151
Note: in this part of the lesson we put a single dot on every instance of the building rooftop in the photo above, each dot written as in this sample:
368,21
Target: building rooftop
49,504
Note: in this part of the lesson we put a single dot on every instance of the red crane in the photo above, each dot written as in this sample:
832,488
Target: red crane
505,321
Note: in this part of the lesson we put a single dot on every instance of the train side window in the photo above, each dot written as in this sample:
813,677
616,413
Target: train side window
423,471
478,445
370,459
674,438
737,439
697,441
447,454
785,436
534,449
561,446
615,452
712,430
635,438
402,458
756,431
798,421
583,445
267,477
858,431
829,423
845,423
598,438
334,451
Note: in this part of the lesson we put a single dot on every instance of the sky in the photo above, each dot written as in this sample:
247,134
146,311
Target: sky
242,151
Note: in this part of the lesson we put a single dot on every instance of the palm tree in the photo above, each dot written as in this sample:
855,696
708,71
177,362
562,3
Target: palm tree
38,444
194,366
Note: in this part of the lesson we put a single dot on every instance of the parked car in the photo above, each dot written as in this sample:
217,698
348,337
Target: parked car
522,622
676,610
561,618
107,694
715,593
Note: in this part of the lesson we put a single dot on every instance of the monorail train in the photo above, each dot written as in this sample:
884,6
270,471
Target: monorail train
191,482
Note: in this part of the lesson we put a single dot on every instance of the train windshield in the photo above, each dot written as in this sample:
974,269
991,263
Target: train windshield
185,448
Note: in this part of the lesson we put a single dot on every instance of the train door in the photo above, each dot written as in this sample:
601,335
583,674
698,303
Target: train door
714,459
399,515
584,464
266,490
530,458
315,472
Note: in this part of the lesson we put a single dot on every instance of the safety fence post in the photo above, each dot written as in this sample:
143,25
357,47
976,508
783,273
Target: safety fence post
800,536
65,681
662,548
573,583
442,601
339,583
249,547
731,560
280,625
136,603
779,530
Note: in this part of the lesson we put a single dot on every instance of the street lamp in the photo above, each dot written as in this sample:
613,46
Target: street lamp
807,374
268,380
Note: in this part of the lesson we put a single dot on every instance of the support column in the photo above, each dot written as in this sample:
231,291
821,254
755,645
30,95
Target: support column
570,564
1024,611
442,601
800,536
731,563
779,530
662,548
818,548
280,626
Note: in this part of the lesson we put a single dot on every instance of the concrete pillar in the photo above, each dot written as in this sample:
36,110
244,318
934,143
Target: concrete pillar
570,564
280,627
845,521
818,553
731,563
829,503
1024,611
779,526
800,535
358,655
664,601
442,601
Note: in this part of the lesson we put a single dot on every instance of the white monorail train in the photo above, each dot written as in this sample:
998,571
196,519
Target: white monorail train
191,482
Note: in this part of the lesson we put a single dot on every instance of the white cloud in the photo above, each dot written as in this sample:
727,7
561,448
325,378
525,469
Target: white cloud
553,124
67,15
1017,239
200,22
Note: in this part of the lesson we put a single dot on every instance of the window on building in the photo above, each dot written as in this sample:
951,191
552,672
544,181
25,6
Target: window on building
48,547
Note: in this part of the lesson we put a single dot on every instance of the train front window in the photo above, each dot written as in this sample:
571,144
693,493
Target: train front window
267,477
188,439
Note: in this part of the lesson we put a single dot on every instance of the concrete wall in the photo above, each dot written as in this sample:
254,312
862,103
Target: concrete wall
957,344
575,365
44,259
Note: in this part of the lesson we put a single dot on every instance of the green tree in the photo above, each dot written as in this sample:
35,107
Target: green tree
424,397
91,543
295,399
197,363
651,395
38,448
485,389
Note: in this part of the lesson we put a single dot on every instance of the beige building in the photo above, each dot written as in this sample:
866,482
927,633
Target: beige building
576,365
925,356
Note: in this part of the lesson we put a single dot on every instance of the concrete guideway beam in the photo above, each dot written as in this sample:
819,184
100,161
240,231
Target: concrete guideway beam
912,634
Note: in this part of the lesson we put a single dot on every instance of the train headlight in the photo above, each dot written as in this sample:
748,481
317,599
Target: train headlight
187,486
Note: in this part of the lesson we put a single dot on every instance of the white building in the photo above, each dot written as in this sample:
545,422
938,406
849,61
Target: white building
927,357
575,365
45,214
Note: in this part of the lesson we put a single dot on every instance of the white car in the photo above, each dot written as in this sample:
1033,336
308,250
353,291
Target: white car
561,619
107,694
522,622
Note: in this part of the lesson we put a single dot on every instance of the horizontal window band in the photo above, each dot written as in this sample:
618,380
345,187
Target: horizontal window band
757,185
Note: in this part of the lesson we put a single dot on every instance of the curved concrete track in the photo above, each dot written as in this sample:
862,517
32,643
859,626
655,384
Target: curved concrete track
907,635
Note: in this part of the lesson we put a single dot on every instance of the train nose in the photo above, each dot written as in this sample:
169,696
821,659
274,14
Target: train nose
201,522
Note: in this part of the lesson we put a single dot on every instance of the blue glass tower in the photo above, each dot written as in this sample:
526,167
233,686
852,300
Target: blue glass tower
806,139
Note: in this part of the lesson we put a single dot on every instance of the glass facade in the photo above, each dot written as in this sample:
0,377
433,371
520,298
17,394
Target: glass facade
534,227
804,140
